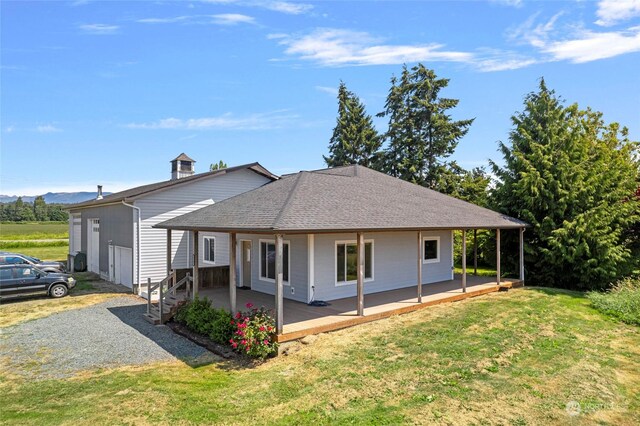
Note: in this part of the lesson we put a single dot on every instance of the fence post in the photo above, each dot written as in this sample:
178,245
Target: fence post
160,300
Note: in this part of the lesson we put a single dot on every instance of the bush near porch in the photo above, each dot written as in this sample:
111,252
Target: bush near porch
250,333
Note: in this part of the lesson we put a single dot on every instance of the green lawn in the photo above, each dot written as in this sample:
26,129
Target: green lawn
20,238
506,358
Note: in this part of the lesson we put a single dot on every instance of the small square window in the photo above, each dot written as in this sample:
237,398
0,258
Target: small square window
431,249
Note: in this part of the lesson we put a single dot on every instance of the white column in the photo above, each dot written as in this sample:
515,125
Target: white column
475,252
196,262
420,257
279,288
498,256
464,260
232,272
522,255
360,269
168,252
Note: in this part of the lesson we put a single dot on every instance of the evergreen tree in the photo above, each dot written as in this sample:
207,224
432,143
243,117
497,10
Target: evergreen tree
468,185
421,132
354,139
40,208
218,166
23,211
572,177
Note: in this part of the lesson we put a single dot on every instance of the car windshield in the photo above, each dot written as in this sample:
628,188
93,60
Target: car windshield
32,259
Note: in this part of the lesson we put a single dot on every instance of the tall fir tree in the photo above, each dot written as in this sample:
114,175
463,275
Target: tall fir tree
354,139
40,208
421,132
573,178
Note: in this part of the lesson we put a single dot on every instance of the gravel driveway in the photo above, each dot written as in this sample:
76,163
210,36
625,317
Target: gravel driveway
107,335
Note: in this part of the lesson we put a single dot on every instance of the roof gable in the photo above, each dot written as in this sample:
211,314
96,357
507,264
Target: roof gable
144,190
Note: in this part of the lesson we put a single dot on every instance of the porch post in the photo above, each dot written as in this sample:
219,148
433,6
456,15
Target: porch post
522,255
464,260
475,252
420,266
196,260
360,271
279,289
232,272
168,251
498,256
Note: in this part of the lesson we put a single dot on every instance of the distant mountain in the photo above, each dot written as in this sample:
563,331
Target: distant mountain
55,197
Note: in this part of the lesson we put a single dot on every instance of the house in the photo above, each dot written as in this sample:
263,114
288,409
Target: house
345,232
117,234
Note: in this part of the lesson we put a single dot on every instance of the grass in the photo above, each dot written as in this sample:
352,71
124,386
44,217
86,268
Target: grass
506,358
23,238
621,302
34,231
483,271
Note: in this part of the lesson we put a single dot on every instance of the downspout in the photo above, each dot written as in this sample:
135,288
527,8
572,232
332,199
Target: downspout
137,243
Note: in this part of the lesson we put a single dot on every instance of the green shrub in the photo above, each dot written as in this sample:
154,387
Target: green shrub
199,316
622,301
254,333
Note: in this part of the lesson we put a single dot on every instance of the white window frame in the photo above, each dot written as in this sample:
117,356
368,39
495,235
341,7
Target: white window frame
205,252
271,280
424,252
335,263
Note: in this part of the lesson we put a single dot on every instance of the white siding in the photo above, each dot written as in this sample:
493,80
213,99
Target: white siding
395,258
298,277
173,202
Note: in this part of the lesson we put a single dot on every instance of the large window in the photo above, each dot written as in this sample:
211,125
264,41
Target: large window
431,252
268,261
347,262
210,249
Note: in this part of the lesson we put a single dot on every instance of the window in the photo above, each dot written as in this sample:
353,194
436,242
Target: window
268,261
431,252
210,249
347,262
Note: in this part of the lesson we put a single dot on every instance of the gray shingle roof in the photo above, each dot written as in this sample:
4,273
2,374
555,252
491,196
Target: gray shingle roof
139,191
350,198
184,157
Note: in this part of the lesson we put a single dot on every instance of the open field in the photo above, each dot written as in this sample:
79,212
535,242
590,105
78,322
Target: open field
34,231
44,240
529,356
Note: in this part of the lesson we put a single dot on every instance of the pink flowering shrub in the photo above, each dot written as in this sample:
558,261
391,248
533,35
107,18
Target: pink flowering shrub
255,333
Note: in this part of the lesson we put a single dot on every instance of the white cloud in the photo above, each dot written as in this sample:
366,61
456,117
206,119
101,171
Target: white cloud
335,47
47,128
327,89
512,3
10,129
573,42
290,8
99,29
611,12
287,7
590,46
260,121
219,19
232,19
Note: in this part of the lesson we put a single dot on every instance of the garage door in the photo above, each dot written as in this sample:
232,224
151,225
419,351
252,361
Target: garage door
93,245
123,266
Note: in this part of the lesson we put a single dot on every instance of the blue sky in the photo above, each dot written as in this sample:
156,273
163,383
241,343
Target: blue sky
109,92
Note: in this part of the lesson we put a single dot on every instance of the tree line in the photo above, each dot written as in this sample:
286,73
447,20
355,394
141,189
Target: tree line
574,178
39,210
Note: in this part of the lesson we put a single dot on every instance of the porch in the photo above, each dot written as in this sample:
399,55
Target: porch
301,319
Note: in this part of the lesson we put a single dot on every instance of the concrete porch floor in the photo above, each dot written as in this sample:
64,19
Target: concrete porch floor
301,319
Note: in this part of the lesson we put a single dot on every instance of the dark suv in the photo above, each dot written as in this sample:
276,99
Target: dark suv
26,280
7,258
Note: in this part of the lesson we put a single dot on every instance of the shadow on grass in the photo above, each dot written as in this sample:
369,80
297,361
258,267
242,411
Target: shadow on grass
552,291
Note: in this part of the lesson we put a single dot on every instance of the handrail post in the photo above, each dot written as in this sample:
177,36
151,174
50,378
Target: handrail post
160,301
148,296
188,286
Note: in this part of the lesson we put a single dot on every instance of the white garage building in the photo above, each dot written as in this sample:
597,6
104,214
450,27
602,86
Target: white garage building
116,231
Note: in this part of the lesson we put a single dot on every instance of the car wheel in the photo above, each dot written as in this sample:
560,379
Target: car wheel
58,290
